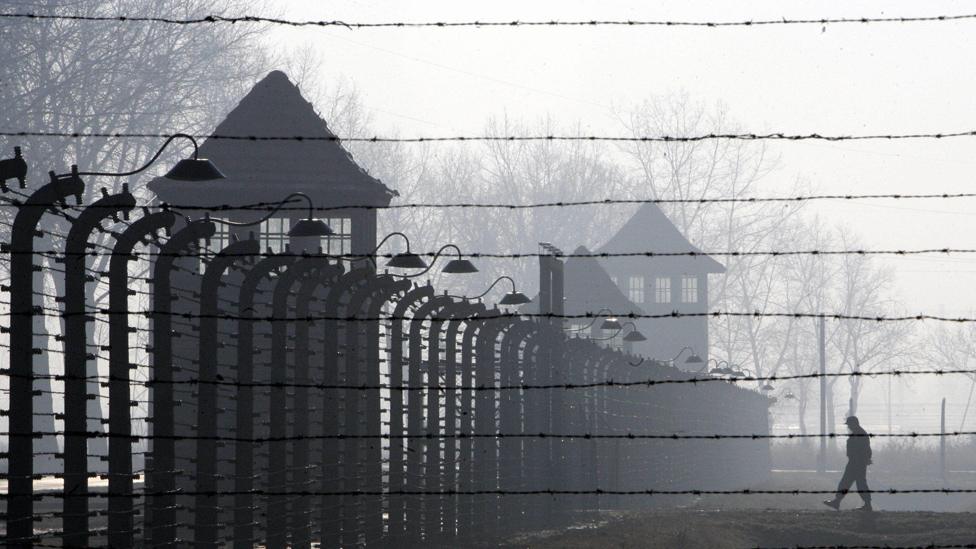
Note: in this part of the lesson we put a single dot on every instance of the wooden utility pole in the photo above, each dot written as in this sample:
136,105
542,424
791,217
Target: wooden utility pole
822,458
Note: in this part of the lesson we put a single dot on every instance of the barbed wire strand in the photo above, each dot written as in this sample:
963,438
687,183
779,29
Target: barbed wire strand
772,136
521,255
517,315
268,206
515,23
503,387
462,436
494,492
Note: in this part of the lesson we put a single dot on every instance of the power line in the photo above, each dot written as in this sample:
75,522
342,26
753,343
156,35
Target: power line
776,136
215,18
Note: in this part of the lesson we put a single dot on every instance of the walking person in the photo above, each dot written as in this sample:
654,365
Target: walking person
858,459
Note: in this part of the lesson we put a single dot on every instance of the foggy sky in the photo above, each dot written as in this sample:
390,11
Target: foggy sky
880,78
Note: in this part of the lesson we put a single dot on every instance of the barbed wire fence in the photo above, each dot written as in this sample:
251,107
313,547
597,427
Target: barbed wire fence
345,406
304,397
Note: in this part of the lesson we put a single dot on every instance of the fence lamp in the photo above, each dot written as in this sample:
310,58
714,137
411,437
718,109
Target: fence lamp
201,169
402,260
512,298
632,336
609,323
188,169
458,265
693,358
303,228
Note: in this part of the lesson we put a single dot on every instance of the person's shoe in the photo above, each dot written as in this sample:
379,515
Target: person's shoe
832,503
866,507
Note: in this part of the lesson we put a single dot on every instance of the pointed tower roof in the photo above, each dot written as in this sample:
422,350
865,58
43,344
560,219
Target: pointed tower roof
275,107
650,230
588,288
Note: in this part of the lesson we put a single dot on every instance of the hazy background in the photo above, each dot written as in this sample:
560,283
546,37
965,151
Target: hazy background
839,79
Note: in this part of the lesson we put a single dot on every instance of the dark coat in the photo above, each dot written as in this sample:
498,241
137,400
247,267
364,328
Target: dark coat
859,447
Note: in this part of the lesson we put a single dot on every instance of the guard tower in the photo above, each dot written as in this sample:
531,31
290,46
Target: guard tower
260,173
663,284
267,171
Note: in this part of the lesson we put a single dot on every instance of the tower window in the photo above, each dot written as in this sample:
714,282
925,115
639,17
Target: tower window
662,289
217,242
274,234
689,289
636,289
340,242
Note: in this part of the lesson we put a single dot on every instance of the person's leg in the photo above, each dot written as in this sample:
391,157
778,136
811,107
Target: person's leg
862,485
845,483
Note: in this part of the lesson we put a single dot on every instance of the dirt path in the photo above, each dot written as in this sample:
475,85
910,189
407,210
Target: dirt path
687,529
781,520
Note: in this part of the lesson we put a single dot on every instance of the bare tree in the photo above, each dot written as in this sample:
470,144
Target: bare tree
517,172
852,285
953,347
523,173
110,77
862,346
855,285
696,170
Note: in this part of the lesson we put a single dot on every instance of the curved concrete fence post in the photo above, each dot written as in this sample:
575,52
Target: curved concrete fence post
422,415
300,464
460,313
278,506
162,475
401,354
244,474
20,464
77,386
363,307
121,519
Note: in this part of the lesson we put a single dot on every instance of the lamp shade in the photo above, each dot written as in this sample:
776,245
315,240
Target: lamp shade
693,359
407,260
193,169
514,298
635,336
310,227
611,324
459,266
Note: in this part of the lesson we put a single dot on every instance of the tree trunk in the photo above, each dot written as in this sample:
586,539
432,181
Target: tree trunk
801,412
831,422
855,396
